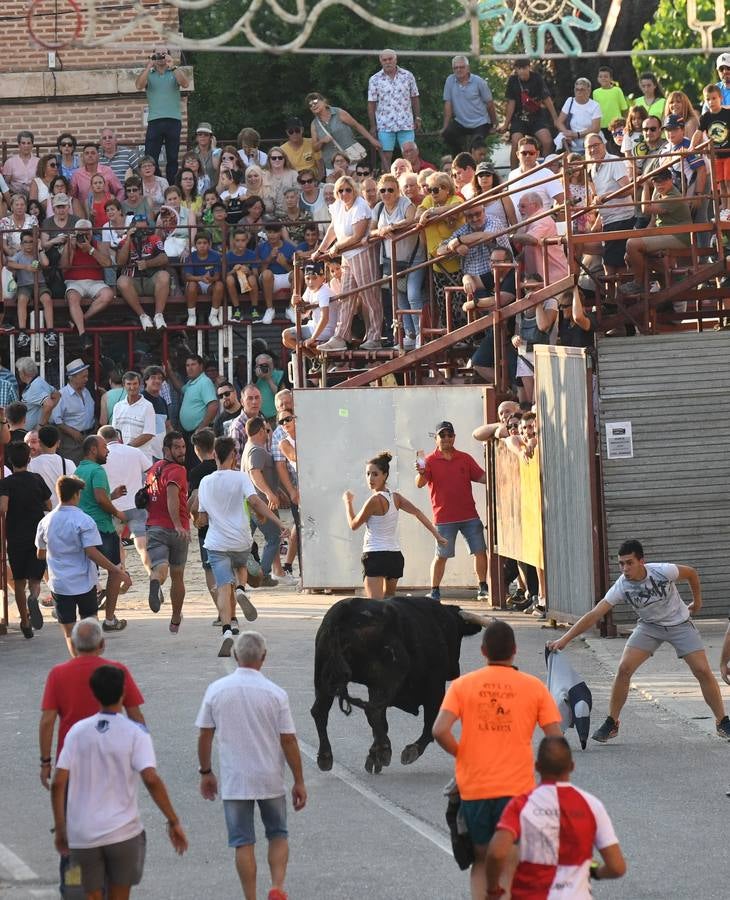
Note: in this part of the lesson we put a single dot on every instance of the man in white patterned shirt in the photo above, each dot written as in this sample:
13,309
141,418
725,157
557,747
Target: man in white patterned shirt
393,106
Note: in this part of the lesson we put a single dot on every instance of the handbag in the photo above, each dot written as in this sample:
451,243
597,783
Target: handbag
355,152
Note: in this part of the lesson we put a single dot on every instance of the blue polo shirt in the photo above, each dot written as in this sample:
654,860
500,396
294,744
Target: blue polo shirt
65,535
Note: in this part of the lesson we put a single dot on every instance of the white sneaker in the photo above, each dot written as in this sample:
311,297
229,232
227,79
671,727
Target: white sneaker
334,343
268,316
146,322
247,608
291,315
213,319
160,322
192,319
371,345
226,644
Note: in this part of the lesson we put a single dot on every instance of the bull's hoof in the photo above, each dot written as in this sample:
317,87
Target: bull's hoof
373,766
410,754
324,761
386,754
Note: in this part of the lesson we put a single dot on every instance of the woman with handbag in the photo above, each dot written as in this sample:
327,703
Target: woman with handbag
394,213
332,131
579,116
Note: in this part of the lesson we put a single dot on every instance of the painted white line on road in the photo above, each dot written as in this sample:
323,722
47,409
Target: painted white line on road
15,866
43,893
425,830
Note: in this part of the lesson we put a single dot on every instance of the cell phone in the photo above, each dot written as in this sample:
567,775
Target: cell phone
421,459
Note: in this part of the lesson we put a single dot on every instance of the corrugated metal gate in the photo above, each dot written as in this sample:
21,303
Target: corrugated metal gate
673,493
563,391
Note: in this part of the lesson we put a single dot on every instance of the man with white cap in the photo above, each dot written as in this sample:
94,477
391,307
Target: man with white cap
723,67
83,261
74,414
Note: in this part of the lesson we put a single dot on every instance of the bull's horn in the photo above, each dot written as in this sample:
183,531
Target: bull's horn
475,619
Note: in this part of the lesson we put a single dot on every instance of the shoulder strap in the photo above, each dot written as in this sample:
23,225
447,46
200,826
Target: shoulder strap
334,139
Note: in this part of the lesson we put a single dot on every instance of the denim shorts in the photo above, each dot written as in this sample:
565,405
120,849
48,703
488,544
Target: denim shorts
239,820
473,532
136,522
223,564
388,139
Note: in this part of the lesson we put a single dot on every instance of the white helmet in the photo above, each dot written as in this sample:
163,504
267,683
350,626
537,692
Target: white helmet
723,60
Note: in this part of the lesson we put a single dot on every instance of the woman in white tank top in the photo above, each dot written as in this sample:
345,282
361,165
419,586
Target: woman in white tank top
382,560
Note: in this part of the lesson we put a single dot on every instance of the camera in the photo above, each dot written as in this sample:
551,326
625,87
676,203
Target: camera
157,57
263,368
81,237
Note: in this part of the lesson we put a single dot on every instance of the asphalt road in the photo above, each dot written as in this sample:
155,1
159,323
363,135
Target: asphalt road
360,836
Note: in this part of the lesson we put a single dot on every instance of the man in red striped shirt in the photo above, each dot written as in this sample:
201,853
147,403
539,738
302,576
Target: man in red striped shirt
556,827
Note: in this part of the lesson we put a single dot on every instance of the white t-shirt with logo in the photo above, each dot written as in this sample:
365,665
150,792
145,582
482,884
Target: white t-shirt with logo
104,755
656,599
223,495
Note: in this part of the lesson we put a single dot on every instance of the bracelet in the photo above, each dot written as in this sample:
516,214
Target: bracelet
204,771
459,240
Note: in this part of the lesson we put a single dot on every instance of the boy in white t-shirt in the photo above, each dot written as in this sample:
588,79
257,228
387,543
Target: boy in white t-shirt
99,768
317,300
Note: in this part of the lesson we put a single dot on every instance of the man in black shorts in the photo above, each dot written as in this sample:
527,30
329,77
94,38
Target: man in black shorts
69,541
24,499
530,108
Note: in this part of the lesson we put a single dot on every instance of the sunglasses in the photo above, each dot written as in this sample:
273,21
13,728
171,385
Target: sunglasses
445,433
306,181
293,130
276,158
344,190
528,152
650,128
132,190
386,190
434,190
52,163
67,143
228,156
286,420
362,171
224,394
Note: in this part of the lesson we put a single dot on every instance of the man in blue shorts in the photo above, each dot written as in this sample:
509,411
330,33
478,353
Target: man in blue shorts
650,588
393,106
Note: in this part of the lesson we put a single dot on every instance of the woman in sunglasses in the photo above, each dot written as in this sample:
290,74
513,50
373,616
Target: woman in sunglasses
440,198
332,129
40,188
500,208
67,157
392,214
382,560
281,177
230,162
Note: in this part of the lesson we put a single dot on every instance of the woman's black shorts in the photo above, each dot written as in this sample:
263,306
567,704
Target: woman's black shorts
382,564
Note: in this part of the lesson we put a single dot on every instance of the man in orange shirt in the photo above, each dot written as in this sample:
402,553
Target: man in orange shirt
499,708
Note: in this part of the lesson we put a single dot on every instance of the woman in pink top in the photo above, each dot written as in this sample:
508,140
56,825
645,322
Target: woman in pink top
19,170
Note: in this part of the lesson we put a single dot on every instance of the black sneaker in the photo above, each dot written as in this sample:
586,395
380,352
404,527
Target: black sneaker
153,598
27,631
87,341
609,730
723,728
36,617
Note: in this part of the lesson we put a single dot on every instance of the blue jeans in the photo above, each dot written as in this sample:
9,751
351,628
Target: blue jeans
167,132
272,536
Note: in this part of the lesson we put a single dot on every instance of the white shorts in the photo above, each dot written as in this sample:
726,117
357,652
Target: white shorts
204,286
308,331
88,289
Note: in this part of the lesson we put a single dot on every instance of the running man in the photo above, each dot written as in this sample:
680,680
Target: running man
650,588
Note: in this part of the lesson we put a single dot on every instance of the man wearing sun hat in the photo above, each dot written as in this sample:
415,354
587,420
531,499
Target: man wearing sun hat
74,413
449,474
208,153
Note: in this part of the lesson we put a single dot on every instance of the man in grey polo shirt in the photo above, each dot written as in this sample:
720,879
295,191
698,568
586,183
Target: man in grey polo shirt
38,395
469,109
651,590
256,738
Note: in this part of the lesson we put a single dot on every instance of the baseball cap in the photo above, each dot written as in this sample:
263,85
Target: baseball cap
205,127
76,366
723,60
674,122
314,268
485,167
661,175
61,200
444,426
294,122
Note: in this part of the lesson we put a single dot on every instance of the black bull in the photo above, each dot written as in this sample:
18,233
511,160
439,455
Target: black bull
403,650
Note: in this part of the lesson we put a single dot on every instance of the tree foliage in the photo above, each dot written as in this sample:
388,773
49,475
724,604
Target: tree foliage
670,30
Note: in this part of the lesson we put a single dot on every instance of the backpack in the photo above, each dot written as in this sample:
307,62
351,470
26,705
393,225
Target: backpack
142,497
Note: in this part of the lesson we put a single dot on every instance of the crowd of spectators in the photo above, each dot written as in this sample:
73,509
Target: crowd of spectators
226,226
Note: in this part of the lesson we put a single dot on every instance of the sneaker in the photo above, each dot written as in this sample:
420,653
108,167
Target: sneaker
27,631
23,340
722,728
539,612
434,594
632,287
87,341
153,598
216,623
50,340
146,322
234,626
277,894
268,580
608,730
255,317
7,326
175,626
192,319
334,343
268,316
483,592
371,345
160,323
34,612
114,624
214,319
247,608
226,644
409,342
291,315
236,314
514,600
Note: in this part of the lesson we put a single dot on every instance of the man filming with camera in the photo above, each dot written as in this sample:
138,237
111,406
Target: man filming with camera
83,261
269,380
161,79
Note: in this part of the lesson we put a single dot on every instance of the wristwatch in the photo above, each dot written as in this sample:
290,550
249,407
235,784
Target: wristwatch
204,771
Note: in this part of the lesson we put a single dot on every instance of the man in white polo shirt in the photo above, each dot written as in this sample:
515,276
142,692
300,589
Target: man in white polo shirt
256,737
134,416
